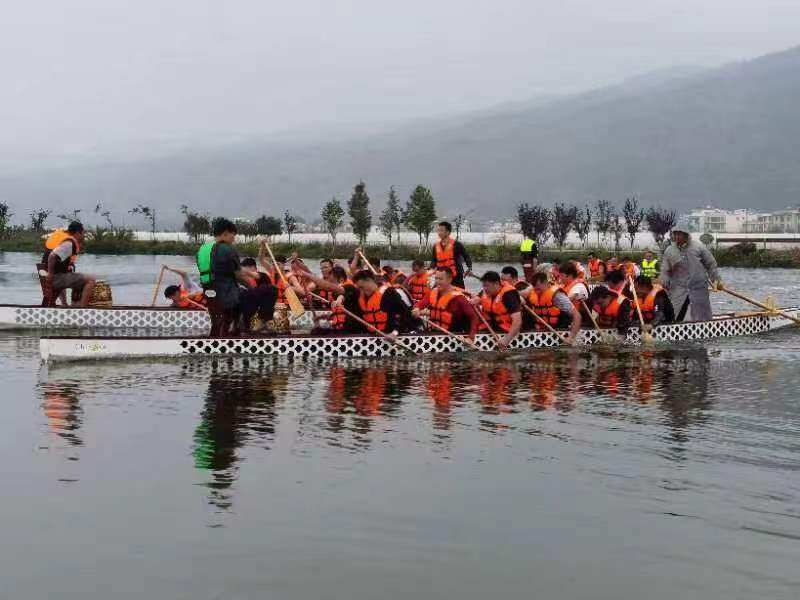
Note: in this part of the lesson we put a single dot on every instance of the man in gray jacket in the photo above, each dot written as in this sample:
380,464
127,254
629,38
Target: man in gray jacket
686,270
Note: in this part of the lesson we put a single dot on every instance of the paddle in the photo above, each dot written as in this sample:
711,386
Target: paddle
365,324
369,264
647,337
158,285
196,304
482,317
291,296
757,303
460,338
603,335
563,338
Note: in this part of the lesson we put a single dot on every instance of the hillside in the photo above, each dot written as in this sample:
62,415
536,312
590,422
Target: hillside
726,136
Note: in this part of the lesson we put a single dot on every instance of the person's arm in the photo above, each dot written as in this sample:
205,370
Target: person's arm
564,304
665,275
460,250
324,284
513,304
710,264
61,253
52,261
432,265
659,311
462,309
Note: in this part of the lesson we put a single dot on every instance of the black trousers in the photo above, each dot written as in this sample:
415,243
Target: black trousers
258,300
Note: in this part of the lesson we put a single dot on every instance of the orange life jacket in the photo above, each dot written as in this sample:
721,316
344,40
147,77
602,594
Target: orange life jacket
495,310
629,270
418,284
338,316
608,315
328,295
648,304
53,241
576,302
544,306
280,284
440,315
595,267
184,300
446,256
371,309
395,274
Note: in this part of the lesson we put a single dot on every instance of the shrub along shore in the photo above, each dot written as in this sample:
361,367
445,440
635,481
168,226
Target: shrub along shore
742,255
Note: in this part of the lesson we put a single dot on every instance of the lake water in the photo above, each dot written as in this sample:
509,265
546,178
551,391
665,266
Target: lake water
658,474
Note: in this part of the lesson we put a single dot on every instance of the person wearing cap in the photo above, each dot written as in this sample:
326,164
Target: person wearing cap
687,267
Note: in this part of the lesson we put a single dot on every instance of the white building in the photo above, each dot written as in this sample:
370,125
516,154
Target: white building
717,220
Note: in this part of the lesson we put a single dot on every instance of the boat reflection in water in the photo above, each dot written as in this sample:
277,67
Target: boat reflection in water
348,404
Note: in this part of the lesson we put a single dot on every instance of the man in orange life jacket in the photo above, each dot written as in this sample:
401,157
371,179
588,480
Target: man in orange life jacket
258,297
325,267
654,302
450,254
617,283
597,268
550,301
418,284
510,275
186,295
277,280
60,264
614,309
345,295
502,307
381,305
573,285
448,306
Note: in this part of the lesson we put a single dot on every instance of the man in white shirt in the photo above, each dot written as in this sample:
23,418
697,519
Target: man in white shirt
60,263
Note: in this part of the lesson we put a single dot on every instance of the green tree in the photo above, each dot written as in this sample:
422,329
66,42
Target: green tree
420,214
38,217
332,218
583,224
358,209
268,226
562,222
534,221
195,224
5,217
289,224
659,223
633,218
604,215
149,215
392,217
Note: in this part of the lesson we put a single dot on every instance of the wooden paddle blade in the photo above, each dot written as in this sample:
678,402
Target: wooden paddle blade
294,302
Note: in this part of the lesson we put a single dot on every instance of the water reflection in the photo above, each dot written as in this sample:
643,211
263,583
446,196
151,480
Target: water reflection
240,409
62,410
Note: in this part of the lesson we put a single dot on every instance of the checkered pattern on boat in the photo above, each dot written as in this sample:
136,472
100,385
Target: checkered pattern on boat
35,316
362,346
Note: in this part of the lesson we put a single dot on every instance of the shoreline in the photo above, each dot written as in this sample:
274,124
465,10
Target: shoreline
741,256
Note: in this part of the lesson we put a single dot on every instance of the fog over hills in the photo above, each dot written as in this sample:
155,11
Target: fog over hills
682,137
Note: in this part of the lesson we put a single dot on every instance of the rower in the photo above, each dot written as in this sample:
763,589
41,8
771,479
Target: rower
345,296
59,258
649,266
325,268
448,306
579,268
555,270
391,275
418,284
629,268
616,282
186,295
501,305
597,268
278,281
614,309
552,304
258,297
573,285
654,302
612,264
380,305
510,275
451,254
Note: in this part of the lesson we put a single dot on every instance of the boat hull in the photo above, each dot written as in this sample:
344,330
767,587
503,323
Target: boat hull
14,316
310,346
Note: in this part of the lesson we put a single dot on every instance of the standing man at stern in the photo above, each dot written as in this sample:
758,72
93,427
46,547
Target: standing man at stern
450,254
687,267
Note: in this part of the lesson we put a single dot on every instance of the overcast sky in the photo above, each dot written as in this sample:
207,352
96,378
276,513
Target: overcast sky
83,73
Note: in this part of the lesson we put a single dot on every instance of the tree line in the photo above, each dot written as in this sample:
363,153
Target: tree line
419,215
540,223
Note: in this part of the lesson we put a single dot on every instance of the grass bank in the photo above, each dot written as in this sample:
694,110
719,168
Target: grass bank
742,255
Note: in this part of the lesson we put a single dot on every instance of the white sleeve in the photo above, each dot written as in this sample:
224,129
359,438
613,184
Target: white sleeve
581,292
63,251
190,285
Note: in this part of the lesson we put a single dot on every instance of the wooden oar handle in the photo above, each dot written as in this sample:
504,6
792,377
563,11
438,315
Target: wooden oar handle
563,338
369,265
460,338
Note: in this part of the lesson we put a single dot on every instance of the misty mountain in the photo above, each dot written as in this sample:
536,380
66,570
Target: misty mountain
682,137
